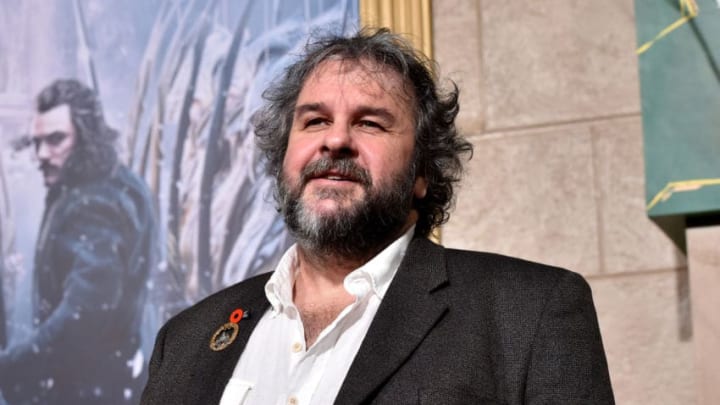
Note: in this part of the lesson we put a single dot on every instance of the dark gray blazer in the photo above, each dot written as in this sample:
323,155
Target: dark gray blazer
455,327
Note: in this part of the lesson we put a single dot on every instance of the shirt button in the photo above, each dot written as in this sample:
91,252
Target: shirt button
296,347
292,401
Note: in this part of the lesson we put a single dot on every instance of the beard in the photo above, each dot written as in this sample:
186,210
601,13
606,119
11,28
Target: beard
88,162
50,172
355,231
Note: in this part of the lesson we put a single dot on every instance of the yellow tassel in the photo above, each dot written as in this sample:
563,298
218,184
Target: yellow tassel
688,10
680,186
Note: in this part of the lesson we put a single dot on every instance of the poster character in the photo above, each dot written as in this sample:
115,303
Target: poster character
94,252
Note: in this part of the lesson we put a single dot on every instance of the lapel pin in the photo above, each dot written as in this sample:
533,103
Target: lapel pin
226,334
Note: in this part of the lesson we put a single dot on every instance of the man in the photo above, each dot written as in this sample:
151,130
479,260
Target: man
93,256
364,309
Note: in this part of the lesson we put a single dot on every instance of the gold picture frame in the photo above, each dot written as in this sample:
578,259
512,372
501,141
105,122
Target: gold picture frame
411,18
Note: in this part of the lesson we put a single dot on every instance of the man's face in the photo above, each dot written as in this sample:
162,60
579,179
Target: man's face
54,137
348,167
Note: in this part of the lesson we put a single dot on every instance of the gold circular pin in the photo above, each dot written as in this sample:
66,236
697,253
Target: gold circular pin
224,336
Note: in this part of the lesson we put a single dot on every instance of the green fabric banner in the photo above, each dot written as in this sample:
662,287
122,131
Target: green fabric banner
680,87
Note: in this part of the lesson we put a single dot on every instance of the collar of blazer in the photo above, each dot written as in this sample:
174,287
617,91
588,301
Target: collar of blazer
414,303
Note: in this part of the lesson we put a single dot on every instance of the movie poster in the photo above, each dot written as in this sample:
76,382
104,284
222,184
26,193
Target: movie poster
130,185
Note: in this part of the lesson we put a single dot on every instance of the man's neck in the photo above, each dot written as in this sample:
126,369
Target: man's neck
319,292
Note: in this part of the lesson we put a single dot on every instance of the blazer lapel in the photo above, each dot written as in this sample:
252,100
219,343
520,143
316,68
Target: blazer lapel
214,369
413,304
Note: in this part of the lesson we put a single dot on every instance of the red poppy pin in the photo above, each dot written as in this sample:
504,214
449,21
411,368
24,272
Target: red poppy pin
226,334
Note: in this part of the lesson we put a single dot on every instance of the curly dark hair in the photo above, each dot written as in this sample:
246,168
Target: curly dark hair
438,147
94,154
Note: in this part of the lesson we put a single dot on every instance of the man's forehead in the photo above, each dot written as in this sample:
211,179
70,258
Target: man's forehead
55,119
364,72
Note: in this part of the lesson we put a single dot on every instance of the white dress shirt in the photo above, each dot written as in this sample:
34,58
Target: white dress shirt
277,368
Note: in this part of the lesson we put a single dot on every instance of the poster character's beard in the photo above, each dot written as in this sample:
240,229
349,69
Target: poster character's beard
50,170
353,231
87,162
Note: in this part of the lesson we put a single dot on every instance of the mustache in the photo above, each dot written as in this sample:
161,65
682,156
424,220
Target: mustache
343,167
48,167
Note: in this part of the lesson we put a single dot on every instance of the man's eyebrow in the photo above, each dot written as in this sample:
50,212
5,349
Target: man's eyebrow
382,113
308,107
53,134
361,111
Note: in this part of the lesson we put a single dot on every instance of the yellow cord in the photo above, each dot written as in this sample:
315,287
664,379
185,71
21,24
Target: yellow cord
688,10
680,186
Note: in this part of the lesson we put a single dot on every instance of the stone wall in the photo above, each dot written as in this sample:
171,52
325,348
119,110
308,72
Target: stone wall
550,99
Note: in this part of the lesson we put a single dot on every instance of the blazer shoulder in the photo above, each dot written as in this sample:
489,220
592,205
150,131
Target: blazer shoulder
252,289
505,270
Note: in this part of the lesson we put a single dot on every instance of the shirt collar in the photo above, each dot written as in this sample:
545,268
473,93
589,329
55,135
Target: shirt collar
378,272
279,287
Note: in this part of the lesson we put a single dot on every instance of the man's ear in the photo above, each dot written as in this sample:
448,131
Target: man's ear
420,187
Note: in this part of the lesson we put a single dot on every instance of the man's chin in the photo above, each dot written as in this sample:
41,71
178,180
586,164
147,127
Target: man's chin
329,210
331,202
331,206
50,180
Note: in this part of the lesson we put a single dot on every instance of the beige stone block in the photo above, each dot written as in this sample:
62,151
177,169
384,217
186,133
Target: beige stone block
456,43
629,240
704,262
558,60
643,320
530,194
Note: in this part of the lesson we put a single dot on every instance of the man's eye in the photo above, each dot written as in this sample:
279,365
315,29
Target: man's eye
54,139
314,122
370,124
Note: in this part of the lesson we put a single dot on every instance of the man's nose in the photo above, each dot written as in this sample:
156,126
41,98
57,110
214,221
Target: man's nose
338,141
43,151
